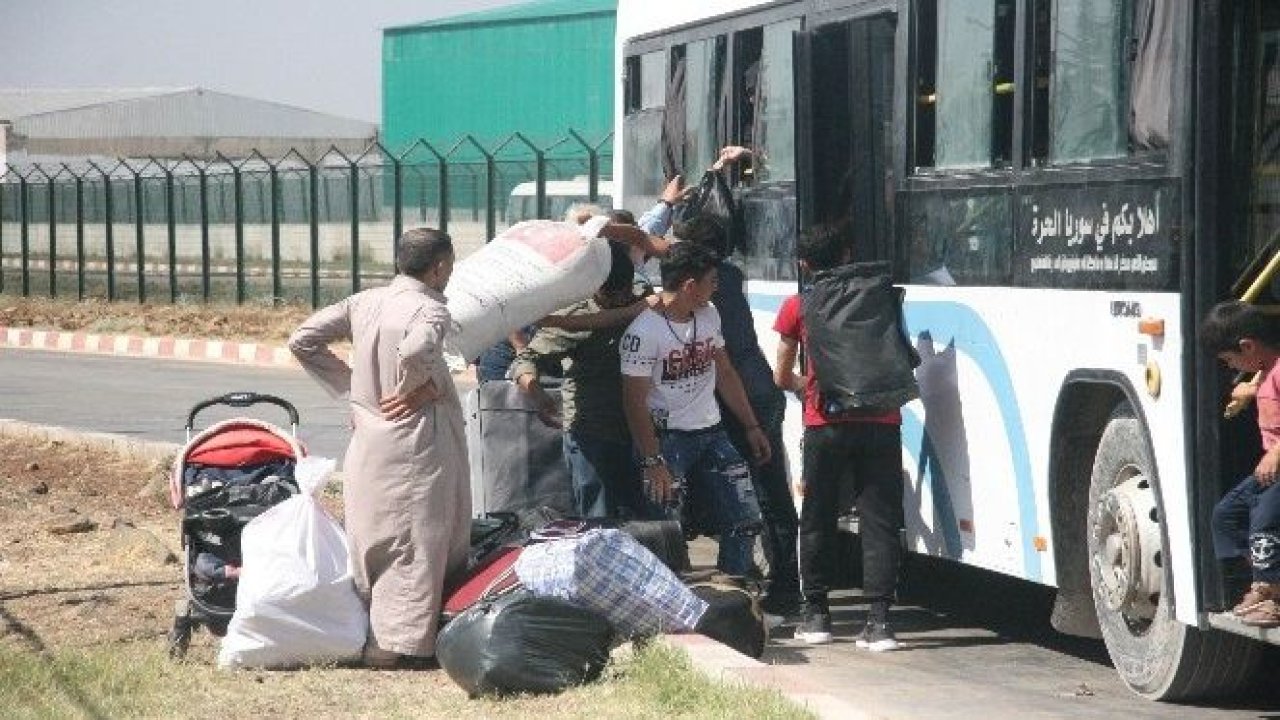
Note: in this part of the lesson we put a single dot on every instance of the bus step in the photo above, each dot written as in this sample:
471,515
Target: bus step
1230,623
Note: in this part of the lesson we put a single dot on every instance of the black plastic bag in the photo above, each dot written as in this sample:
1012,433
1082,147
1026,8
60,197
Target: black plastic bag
857,340
733,617
711,204
521,643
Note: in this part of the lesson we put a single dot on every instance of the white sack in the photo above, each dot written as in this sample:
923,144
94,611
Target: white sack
296,603
526,273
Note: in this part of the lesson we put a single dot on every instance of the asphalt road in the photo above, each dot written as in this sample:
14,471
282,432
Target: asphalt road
150,399
977,645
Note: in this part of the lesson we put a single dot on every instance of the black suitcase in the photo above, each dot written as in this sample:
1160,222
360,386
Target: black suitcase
663,538
517,460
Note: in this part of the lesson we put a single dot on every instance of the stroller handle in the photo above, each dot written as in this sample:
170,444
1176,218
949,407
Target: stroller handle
243,400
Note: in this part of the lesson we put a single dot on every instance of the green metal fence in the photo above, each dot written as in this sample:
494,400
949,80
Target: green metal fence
291,229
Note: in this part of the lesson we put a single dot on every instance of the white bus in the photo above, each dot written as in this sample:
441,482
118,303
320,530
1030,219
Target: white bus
1063,187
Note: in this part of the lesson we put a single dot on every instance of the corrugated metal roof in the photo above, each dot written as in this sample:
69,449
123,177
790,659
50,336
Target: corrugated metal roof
16,104
537,10
189,112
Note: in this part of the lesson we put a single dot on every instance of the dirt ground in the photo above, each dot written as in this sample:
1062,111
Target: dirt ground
89,578
85,557
251,322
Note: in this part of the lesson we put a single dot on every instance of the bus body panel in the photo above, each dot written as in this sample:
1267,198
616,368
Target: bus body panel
977,485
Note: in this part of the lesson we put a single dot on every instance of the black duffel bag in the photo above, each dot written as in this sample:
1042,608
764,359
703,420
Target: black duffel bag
520,643
733,617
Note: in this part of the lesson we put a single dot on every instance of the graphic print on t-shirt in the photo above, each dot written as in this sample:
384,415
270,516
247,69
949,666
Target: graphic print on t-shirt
685,362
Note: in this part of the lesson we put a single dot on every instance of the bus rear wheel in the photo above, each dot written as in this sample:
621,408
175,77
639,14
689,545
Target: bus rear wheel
1157,656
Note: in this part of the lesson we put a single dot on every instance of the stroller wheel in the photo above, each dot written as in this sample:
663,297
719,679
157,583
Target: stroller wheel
179,637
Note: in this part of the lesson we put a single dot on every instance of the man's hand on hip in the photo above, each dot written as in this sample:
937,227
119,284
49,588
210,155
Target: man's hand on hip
399,407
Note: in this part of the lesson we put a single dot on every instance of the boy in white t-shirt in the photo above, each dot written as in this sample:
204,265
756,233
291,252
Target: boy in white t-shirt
673,365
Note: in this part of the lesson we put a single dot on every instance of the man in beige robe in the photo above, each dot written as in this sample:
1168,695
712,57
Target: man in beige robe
407,491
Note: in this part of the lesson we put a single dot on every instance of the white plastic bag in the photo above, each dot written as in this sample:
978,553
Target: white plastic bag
526,273
296,603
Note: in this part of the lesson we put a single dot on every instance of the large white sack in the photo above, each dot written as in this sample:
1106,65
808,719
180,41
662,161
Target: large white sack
526,273
296,603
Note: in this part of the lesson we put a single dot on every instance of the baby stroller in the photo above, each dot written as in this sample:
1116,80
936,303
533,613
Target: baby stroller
225,476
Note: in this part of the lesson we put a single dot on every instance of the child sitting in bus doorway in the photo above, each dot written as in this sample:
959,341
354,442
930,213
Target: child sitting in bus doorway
862,448
1246,522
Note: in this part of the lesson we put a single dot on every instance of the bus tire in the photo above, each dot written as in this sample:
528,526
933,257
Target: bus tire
1157,656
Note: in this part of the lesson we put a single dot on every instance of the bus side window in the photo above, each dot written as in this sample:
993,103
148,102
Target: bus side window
644,98
747,45
964,73
1081,60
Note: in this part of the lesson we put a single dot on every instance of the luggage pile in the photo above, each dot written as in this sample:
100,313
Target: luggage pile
541,612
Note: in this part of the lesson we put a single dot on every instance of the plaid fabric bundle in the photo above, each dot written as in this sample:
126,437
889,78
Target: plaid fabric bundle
608,572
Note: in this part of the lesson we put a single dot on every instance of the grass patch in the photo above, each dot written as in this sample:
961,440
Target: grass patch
136,680
661,679
84,683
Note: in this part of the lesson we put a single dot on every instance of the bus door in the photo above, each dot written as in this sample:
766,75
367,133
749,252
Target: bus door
844,114
1237,227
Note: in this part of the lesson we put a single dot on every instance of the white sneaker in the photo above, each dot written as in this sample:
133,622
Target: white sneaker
877,637
815,628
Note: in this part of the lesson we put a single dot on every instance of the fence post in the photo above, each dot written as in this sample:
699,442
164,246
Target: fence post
277,284
79,233
23,209
314,173
237,201
593,166
108,209
206,289
171,230
444,201
355,225
140,264
53,234
397,213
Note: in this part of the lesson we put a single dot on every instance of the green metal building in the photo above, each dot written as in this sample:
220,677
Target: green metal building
539,68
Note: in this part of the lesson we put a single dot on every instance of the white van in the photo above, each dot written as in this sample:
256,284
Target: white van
561,195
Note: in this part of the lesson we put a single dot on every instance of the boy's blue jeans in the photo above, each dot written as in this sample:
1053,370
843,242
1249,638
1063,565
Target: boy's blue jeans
1246,523
715,476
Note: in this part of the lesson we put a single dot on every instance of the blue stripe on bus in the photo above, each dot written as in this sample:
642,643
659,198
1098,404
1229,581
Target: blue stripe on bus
961,324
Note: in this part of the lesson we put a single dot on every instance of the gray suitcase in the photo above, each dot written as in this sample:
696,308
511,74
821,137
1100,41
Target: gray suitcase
517,460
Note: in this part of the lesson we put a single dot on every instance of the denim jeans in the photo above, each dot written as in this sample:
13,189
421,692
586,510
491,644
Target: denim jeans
1246,523
606,480
773,492
718,481
869,455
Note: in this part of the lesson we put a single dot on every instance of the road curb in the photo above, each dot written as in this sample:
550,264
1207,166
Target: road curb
259,354
163,348
150,450
724,664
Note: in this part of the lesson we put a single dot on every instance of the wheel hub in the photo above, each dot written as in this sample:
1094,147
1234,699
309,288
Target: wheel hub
1127,548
